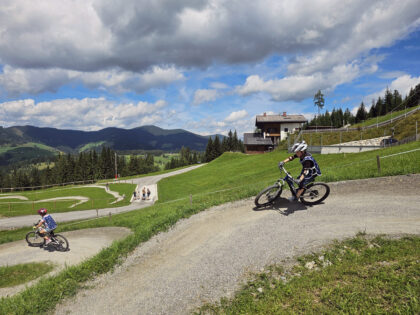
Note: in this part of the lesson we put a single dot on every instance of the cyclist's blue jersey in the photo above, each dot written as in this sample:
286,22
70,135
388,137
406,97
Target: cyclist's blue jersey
314,170
49,222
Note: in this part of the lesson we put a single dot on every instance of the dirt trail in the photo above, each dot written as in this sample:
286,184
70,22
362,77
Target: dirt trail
210,254
83,244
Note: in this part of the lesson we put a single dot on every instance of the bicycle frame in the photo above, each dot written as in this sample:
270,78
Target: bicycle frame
289,180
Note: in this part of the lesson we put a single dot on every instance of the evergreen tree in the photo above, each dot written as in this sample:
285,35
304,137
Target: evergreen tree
319,101
217,148
209,151
388,100
361,114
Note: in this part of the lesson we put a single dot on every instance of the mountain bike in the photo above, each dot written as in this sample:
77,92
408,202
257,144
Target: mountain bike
36,239
313,193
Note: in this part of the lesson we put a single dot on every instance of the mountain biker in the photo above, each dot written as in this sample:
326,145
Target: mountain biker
310,168
49,225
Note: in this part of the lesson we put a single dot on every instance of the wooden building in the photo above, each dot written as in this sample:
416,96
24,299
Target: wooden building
273,129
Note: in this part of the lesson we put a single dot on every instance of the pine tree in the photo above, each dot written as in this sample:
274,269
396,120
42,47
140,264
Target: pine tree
209,150
361,114
217,148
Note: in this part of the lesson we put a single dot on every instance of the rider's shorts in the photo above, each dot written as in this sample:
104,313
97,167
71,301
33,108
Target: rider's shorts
48,230
306,181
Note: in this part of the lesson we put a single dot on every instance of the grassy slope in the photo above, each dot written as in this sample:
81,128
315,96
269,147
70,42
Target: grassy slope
402,128
362,276
237,171
244,175
373,121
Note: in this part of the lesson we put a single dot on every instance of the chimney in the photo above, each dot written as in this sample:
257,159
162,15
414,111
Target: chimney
265,114
284,114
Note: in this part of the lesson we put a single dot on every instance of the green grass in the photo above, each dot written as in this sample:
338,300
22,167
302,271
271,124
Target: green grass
238,175
402,128
98,198
91,145
18,274
357,276
4,149
374,121
240,172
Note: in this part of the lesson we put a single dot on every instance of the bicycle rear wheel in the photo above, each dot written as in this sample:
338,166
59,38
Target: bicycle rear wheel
268,195
60,243
34,239
315,193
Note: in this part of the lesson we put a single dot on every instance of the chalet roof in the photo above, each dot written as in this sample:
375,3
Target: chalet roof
280,119
256,139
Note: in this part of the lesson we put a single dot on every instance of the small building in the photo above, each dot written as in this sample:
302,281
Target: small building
273,129
255,143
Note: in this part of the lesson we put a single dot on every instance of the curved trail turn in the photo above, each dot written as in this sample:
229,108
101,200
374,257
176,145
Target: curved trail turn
207,256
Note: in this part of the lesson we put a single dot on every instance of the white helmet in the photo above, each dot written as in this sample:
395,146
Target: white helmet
299,146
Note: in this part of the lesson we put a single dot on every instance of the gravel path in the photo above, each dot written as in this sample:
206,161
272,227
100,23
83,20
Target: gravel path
210,254
83,244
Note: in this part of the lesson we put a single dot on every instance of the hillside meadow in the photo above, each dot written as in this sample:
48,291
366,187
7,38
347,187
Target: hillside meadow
228,178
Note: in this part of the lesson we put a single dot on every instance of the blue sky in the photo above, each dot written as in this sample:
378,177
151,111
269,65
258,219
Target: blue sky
206,66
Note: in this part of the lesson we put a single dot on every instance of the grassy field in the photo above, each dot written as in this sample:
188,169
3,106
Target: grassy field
357,276
402,128
228,178
4,149
374,121
98,198
18,274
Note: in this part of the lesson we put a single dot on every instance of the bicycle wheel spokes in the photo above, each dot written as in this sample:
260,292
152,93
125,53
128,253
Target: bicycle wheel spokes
268,195
34,239
61,243
315,193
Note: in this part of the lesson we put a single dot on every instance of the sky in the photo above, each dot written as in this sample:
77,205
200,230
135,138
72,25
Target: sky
207,66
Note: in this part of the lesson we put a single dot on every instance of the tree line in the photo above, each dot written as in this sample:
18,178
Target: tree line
83,167
186,157
215,147
383,105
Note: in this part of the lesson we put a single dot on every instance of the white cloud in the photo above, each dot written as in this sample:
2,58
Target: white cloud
204,95
299,87
219,85
81,114
135,36
16,81
234,116
403,84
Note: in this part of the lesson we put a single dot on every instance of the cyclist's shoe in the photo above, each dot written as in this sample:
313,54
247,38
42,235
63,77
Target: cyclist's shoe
292,199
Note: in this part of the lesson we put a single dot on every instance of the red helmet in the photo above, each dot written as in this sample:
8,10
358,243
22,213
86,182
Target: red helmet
42,211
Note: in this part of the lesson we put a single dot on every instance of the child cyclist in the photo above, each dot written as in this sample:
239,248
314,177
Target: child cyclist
49,224
310,168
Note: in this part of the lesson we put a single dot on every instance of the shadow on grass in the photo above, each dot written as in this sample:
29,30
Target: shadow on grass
283,206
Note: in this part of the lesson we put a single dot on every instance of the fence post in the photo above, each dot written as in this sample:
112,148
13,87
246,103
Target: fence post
110,216
378,161
97,213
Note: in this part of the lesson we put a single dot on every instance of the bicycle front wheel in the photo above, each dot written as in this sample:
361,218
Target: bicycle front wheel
315,193
34,239
268,195
61,243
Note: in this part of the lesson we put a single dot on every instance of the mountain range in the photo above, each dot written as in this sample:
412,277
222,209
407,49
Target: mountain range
141,138
22,143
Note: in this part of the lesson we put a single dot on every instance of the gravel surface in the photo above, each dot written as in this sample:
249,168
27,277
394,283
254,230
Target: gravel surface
82,245
209,255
